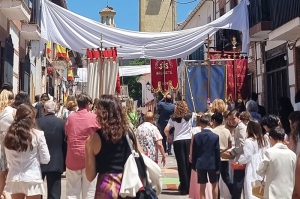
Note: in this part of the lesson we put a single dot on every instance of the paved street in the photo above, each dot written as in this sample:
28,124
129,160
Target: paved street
170,181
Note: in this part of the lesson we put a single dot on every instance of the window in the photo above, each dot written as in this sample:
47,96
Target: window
209,19
277,82
222,11
107,20
198,54
6,60
35,17
233,3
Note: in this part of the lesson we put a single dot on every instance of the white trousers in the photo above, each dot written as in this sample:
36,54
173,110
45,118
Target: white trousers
77,185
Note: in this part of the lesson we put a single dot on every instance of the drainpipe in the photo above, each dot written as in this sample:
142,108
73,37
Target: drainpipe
263,51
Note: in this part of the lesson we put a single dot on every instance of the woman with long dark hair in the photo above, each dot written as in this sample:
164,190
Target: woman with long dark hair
21,98
107,150
294,141
254,144
25,149
182,121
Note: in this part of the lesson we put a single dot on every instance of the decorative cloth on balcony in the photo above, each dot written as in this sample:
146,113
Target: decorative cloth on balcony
76,32
164,75
107,62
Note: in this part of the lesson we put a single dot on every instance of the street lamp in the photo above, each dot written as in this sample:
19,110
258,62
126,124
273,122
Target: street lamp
148,85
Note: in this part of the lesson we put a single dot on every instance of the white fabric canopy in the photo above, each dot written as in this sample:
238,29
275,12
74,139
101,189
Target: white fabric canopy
134,70
76,32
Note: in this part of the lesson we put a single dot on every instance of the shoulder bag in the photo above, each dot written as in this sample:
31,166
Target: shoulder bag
147,191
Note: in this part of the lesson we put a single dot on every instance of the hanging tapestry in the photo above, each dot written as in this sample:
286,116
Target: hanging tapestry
196,84
164,75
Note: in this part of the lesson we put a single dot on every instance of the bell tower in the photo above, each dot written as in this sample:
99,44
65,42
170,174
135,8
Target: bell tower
107,16
157,15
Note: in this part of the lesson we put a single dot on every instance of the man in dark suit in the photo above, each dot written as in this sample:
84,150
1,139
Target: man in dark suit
206,157
165,111
54,129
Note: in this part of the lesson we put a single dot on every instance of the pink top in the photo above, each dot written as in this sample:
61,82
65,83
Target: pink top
79,126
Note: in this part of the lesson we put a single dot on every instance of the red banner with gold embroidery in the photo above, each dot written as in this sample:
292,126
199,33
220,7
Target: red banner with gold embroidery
241,66
164,75
240,69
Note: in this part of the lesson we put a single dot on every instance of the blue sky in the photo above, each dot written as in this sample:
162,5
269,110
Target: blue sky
127,16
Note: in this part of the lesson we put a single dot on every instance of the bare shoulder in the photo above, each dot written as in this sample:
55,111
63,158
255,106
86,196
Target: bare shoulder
94,143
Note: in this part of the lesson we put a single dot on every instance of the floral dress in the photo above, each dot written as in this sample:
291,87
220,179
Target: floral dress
147,134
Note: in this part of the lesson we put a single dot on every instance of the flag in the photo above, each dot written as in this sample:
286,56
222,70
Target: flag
164,75
196,84
61,51
48,47
70,76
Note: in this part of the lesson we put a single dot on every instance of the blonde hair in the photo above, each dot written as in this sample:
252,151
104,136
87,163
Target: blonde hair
181,109
129,105
149,116
219,106
5,97
70,98
71,105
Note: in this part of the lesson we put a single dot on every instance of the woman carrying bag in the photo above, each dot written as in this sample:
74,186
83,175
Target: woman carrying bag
107,150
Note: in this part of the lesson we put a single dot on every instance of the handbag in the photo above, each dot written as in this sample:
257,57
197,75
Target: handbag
258,189
237,166
147,192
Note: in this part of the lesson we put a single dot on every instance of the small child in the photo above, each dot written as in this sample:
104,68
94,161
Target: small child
206,157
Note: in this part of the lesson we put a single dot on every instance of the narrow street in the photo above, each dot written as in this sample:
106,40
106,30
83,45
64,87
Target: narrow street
170,181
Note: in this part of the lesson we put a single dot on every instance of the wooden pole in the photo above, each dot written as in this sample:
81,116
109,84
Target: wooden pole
101,67
208,66
234,67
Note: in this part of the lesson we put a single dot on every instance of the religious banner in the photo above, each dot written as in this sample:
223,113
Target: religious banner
196,84
102,64
236,73
164,75
241,80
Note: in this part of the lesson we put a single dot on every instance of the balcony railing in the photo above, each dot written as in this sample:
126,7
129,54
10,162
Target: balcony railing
259,11
284,11
36,13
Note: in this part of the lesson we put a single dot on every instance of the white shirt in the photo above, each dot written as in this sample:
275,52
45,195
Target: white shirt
25,166
183,129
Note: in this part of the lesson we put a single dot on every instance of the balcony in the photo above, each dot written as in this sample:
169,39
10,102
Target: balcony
259,19
30,31
16,9
286,20
288,31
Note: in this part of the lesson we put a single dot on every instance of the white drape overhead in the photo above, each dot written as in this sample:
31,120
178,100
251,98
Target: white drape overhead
76,32
134,70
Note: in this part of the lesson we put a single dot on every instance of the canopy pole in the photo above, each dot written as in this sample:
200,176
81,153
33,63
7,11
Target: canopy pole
192,98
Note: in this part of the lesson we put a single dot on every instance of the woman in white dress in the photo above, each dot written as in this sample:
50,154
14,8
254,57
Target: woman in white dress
6,118
25,149
254,148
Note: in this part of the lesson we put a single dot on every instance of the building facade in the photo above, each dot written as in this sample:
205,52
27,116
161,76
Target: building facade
274,53
24,58
157,16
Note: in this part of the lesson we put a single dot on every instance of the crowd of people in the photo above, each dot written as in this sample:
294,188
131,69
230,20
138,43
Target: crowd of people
236,146
230,147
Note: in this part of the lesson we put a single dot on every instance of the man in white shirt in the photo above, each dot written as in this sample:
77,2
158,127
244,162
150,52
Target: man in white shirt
239,141
150,138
